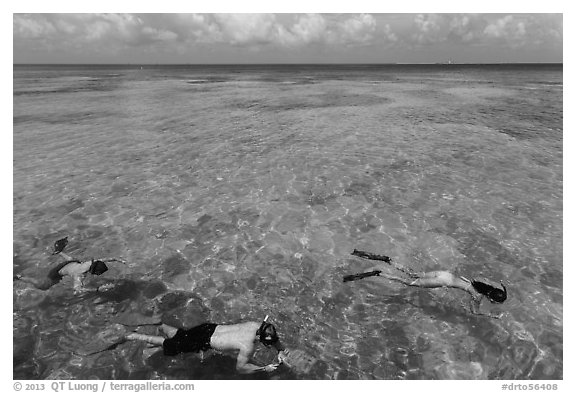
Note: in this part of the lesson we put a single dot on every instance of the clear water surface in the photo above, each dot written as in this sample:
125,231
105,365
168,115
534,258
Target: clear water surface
239,191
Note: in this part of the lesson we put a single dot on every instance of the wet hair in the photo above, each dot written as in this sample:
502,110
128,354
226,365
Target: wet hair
98,267
495,295
267,334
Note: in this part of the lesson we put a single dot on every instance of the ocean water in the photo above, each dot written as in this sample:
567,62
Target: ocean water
239,191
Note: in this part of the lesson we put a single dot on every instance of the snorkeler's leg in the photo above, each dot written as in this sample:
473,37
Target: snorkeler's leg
169,331
404,269
154,340
394,278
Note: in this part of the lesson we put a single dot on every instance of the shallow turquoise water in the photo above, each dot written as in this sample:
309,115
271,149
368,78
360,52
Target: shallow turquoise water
248,188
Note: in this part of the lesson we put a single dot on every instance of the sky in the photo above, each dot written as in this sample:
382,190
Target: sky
213,38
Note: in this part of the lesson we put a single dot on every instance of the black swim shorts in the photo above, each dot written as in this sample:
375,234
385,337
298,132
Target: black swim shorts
192,340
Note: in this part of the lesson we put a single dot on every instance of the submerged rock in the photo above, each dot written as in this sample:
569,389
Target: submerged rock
182,310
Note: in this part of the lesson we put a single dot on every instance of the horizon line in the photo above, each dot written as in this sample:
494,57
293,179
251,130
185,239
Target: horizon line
304,63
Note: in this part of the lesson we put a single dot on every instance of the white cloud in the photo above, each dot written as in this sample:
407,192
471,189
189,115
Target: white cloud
245,29
309,28
75,29
388,34
159,35
266,29
193,27
512,30
507,27
28,26
430,28
333,30
462,28
359,29
531,29
230,29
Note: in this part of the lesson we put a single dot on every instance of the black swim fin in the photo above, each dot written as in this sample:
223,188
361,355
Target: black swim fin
369,255
60,245
360,276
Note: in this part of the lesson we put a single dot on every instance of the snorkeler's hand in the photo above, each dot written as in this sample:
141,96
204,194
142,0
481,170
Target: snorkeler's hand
271,367
283,355
82,290
491,315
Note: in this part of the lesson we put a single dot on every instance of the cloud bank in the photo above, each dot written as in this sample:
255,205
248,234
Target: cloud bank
179,33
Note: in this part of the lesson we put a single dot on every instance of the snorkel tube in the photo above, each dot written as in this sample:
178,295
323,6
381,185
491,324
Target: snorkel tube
262,327
505,291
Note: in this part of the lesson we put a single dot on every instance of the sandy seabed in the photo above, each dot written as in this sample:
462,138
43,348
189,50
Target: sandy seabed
240,196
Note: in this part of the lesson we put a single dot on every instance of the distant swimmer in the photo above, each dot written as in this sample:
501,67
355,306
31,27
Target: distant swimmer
239,337
60,245
73,268
437,279
70,267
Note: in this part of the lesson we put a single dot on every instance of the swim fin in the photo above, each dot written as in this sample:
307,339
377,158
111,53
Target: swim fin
369,255
359,276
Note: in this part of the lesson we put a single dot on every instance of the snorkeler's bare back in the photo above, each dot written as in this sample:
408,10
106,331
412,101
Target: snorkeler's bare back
75,269
441,278
240,337
235,337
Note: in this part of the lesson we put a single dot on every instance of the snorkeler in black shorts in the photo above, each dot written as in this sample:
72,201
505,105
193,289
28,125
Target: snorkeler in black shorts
437,279
239,337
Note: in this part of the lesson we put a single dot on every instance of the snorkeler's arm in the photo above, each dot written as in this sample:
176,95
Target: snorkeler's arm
475,309
244,367
69,258
78,282
65,256
487,314
112,260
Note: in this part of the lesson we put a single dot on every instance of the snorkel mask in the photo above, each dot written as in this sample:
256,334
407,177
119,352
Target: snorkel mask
98,267
267,333
495,295
499,296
